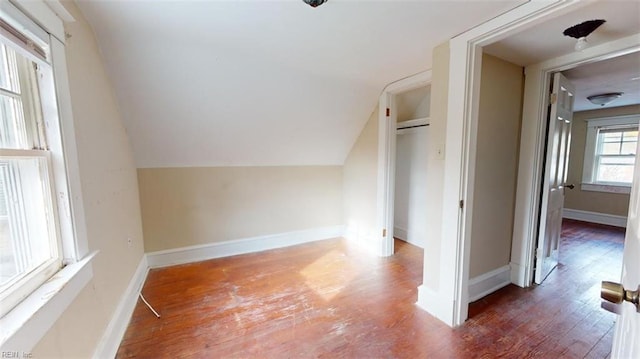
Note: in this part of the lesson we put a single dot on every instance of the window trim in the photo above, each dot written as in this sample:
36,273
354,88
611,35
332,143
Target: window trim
591,141
24,326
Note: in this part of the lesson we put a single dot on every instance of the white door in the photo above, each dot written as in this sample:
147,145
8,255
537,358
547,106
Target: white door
626,339
555,176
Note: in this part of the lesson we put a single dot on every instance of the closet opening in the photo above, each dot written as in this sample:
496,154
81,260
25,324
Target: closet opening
410,189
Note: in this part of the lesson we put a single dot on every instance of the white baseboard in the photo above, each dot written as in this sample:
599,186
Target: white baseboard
436,305
404,235
365,240
518,275
110,341
595,217
240,246
400,233
489,282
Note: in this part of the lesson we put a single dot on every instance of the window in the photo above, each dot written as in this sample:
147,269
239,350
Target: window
615,155
610,153
29,241
45,260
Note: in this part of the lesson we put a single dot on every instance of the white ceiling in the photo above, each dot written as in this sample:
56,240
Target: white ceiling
619,74
546,41
217,83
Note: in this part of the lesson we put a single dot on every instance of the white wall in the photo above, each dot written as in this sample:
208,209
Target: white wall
413,104
436,169
410,208
360,184
110,194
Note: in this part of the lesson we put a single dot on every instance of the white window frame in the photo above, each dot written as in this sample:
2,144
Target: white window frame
28,283
23,327
591,142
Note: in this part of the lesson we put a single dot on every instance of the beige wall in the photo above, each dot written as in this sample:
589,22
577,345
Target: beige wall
191,206
413,104
435,165
110,191
608,203
361,179
499,119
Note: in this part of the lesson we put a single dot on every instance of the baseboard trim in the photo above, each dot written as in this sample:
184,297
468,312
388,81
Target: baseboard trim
401,233
518,275
113,334
489,282
435,304
240,246
595,217
365,240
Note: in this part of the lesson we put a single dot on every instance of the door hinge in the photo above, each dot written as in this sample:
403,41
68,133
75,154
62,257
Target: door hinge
388,112
553,98
384,232
461,204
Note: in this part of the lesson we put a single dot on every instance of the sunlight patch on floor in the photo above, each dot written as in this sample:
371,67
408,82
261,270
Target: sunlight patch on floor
320,276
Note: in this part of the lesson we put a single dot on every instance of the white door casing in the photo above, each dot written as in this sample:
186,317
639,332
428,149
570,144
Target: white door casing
446,296
387,157
532,148
555,175
627,330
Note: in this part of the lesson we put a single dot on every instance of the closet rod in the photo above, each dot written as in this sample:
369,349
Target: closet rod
404,128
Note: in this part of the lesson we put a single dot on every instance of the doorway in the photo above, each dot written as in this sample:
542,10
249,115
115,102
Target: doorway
387,127
541,58
601,157
410,198
600,154
589,253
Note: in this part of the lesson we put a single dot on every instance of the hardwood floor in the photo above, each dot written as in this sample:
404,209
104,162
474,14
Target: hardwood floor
562,316
330,300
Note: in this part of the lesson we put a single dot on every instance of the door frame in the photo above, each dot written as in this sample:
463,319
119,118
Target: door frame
387,155
532,138
447,298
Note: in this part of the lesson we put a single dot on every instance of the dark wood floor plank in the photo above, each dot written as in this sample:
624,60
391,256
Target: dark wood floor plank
329,299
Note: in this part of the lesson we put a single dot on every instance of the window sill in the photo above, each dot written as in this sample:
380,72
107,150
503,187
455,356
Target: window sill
23,327
605,188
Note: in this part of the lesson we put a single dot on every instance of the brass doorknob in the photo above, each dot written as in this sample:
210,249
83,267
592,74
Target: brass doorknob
615,293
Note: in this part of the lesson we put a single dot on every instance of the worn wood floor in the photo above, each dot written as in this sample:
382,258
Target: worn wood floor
329,300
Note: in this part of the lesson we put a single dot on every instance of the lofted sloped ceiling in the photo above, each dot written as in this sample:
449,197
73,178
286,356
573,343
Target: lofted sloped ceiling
231,83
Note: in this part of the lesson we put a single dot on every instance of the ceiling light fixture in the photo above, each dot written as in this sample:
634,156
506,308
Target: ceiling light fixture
314,3
581,31
581,44
605,98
